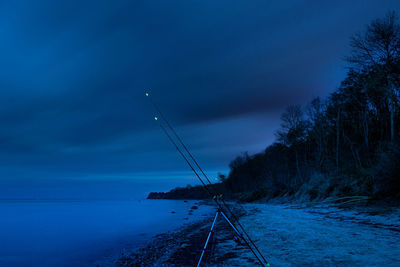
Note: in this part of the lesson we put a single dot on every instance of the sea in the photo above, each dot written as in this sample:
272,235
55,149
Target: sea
65,232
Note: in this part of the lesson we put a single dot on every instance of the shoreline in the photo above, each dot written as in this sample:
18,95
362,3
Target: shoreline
163,249
192,216
326,236
183,247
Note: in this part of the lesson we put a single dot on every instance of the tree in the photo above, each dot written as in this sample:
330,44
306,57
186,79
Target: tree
378,45
354,105
221,177
315,113
378,50
239,161
293,126
293,130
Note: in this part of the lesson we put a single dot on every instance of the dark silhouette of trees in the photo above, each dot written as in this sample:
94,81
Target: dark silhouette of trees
377,51
316,133
293,133
346,144
221,177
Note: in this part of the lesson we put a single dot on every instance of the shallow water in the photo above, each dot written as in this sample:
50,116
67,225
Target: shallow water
84,233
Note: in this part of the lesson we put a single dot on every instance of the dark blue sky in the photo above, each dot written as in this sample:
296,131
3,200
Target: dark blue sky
72,78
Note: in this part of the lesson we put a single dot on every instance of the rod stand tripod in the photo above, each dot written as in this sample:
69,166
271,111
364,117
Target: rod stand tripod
219,211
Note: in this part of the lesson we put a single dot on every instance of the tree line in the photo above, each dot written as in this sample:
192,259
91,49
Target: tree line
347,144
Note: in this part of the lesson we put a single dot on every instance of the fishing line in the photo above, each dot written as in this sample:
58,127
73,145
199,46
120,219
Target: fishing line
208,180
218,204
198,166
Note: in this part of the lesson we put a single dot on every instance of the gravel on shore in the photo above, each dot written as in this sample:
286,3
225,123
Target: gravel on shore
183,247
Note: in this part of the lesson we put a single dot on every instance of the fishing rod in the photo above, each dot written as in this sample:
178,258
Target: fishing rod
198,166
213,196
192,157
204,174
204,186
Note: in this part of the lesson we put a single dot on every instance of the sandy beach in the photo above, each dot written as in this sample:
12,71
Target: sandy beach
287,235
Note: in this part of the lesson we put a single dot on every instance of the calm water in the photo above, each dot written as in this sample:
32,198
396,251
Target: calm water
83,233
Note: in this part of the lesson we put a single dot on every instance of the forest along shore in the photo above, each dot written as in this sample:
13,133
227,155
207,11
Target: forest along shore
287,235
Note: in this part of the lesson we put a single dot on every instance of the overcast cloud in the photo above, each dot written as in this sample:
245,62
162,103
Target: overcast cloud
72,78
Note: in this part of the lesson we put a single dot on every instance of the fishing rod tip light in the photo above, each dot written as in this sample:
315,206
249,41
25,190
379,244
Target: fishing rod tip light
147,94
155,118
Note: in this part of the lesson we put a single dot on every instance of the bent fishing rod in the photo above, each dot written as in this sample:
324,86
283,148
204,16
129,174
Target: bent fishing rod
260,256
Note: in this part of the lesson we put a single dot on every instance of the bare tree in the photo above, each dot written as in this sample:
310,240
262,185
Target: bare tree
378,48
315,113
292,126
293,130
379,44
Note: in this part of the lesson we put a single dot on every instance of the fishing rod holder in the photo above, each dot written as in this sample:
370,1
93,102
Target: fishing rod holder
219,212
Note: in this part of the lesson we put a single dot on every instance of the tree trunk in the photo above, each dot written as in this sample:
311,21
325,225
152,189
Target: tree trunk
391,120
337,140
354,150
297,167
391,107
366,130
320,148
